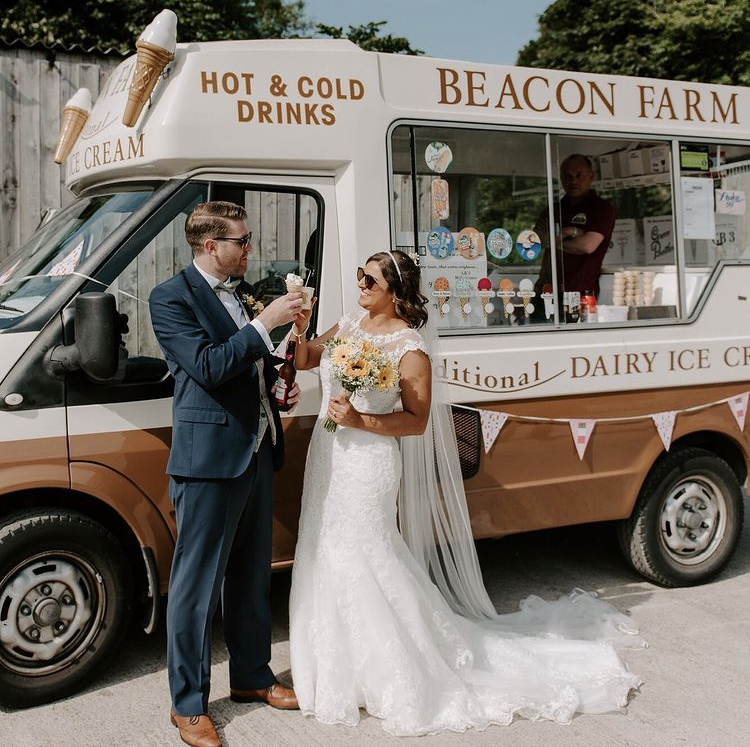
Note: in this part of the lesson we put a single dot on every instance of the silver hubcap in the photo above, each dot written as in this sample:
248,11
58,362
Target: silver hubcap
51,607
693,520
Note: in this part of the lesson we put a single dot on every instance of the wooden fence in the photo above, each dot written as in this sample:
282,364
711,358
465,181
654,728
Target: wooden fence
34,86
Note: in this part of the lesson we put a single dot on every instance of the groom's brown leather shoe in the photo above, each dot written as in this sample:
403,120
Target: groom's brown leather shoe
197,731
277,696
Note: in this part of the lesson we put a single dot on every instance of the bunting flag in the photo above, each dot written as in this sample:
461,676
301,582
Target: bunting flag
738,406
68,264
581,430
492,422
664,422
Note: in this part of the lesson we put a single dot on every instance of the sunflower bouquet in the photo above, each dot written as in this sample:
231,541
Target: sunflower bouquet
359,366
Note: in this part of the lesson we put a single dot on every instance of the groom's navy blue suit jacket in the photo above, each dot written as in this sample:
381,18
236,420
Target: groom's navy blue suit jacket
216,399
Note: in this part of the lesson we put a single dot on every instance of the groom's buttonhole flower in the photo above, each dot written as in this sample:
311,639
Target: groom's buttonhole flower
253,306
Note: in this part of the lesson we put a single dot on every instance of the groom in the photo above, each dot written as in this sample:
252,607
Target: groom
226,442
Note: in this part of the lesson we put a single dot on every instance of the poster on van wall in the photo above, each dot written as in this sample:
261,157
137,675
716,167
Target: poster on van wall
697,208
451,279
730,201
626,245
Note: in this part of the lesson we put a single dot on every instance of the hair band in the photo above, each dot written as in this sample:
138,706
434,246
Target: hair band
398,269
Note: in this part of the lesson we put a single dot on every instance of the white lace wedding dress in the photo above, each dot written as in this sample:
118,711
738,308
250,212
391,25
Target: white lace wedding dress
368,629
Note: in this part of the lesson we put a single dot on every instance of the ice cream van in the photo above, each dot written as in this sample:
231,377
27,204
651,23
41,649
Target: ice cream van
636,415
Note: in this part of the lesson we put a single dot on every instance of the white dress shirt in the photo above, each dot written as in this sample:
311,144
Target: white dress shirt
240,316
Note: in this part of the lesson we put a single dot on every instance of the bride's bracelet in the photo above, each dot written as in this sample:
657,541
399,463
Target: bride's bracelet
300,335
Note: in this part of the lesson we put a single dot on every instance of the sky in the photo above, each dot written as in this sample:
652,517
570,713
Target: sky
490,31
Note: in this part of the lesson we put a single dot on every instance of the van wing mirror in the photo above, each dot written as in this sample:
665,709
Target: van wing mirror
95,350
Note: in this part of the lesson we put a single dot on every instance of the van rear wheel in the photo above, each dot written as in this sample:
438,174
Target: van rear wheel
64,603
687,521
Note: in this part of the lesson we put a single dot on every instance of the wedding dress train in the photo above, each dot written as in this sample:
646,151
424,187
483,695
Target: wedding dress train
369,629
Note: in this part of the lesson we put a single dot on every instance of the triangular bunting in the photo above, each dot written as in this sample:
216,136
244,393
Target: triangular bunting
664,422
738,406
581,430
68,264
492,422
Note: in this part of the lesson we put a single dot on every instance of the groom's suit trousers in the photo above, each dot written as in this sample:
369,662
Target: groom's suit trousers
224,532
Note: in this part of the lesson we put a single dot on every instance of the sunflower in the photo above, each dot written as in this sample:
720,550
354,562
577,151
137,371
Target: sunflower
368,348
386,378
357,369
340,354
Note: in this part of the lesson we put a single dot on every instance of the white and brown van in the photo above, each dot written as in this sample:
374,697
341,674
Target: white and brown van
637,417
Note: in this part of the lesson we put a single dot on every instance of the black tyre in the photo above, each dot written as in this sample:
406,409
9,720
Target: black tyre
687,521
64,604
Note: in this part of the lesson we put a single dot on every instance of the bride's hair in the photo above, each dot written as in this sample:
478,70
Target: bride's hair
403,280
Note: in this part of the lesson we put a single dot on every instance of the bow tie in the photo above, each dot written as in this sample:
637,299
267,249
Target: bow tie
229,286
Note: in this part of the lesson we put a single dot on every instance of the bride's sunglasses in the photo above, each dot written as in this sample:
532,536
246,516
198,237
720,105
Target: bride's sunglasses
369,280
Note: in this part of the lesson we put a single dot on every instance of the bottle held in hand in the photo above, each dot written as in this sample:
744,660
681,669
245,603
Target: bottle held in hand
287,374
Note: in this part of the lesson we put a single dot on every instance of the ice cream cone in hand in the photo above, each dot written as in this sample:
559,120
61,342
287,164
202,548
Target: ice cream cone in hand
75,113
155,49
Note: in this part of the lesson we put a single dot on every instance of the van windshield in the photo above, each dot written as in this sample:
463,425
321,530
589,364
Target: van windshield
58,248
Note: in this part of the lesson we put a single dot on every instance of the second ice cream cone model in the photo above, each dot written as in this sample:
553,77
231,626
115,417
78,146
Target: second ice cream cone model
155,49
75,113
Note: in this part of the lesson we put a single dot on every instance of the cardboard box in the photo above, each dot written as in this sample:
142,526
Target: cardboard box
659,159
636,162
659,240
609,165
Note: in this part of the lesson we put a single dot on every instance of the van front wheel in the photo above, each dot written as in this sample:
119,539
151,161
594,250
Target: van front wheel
64,603
687,521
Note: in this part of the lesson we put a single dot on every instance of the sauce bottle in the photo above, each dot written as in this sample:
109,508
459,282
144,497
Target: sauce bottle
287,374
588,306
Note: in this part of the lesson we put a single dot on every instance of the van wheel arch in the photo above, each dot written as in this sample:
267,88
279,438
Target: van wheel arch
687,520
65,603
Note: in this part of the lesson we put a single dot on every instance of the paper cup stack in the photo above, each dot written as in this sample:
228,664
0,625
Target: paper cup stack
627,289
618,289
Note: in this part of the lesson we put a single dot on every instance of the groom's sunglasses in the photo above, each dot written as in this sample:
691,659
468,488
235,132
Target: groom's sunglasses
369,280
242,241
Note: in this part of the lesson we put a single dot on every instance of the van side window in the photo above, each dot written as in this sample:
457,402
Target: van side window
719,175
285,239
520,230
473,202
629,198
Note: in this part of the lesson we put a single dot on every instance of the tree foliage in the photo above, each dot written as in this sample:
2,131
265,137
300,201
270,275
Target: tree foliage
118,23
703,40
367,36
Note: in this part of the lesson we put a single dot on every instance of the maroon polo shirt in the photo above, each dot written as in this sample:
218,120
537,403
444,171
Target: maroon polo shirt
580,272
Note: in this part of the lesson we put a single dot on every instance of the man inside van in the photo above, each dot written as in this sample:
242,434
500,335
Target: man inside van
586,224
226,441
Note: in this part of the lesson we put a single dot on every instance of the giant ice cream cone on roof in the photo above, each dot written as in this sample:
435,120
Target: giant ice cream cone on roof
155,49
75,113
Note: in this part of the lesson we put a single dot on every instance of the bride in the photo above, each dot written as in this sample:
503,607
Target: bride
399,622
